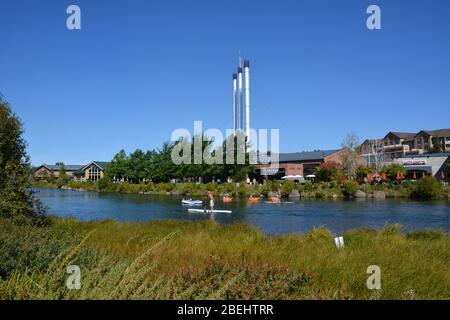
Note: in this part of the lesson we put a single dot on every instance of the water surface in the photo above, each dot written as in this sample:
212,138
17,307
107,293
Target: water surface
300,216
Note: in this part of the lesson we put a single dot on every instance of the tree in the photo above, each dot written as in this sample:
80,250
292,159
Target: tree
438,146
350,156
16,199
117,169
328,171
363,171
62,177
238,171
392,170
138,165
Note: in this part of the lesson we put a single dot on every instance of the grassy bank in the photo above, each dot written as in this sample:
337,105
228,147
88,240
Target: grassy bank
168,259
322,190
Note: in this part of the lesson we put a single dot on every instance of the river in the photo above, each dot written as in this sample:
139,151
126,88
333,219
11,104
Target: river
298,217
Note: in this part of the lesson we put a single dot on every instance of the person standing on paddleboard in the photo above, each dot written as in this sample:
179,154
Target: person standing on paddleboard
211,200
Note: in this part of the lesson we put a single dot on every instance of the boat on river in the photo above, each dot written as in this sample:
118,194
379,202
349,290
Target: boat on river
191,202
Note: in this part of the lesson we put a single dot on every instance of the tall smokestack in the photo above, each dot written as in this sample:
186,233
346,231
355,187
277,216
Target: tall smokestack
247,96
240,106
234,102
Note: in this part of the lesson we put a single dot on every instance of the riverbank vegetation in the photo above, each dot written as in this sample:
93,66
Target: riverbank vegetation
424,188
182,260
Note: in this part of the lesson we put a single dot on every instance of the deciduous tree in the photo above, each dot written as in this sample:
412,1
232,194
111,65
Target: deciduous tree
16,199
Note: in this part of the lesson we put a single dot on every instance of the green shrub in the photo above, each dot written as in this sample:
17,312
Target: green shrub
427,188
229,188
308,186
319,233
23,247
319,195
349,188
268,187
243,190
211,186
103,184
287,187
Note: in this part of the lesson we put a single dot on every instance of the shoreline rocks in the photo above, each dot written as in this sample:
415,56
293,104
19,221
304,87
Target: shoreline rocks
360,194
379,195
294,194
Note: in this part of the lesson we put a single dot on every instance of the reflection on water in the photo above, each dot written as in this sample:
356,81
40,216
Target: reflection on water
271,218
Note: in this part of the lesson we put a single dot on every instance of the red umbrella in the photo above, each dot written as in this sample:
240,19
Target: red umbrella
414,175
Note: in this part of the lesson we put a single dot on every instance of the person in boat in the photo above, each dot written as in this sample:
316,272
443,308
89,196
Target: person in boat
210,197
276,198
227,198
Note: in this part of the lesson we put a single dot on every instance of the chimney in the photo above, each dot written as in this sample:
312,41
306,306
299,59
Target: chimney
240,105
234,102
247,96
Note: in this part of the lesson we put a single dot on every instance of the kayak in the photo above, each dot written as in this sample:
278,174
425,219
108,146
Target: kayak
192,202
253,200
208,211
227,199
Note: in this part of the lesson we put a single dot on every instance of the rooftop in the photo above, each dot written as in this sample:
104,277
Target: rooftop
306,155
68,167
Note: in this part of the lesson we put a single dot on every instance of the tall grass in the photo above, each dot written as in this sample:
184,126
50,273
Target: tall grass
181,260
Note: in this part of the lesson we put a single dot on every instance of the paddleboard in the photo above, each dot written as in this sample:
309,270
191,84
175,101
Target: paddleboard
208,211
281,202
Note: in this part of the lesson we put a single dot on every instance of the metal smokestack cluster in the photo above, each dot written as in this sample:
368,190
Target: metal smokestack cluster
241,98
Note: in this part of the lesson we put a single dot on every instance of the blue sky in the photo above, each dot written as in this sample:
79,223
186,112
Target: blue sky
139,69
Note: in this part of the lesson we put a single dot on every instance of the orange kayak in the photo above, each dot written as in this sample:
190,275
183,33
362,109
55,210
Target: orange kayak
253,200
274,199
227,199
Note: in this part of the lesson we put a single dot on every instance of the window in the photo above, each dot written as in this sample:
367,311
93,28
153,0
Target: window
94,173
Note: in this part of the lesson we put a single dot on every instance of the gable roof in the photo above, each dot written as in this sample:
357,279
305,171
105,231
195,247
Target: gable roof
100,164
436,133
370,141
401,135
